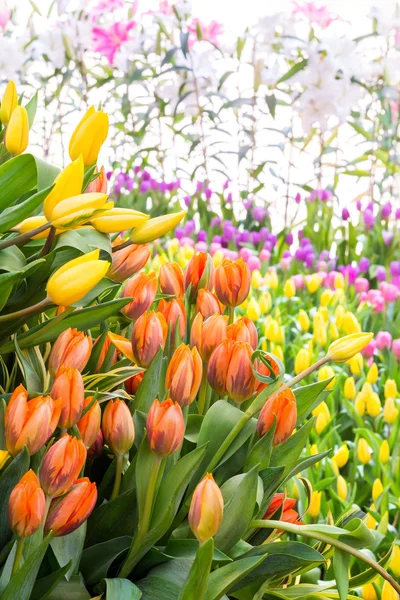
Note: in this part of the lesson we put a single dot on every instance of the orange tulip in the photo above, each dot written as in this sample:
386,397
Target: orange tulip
207,334
142,288
61,465
26,506
207,304
89,424
68,386
165,427
288,514
264,370
128,261
232,282
69,512
118,428
72,349
183,375
206,509
175,315
103,353
199,274
282,406
97,448
132,384
99,184
229,370
30,423
243,330
149,334
171,280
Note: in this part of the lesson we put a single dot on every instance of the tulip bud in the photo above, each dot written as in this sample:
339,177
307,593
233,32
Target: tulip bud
368,592
395,561
117,219
388,592
153,229
89,424
171,280
78,210
207,304
390,388
132,384
175,315
17,133
253,309
88,137
314,508
29,423
363,451
282,406
149,334
373,405
207,334
390,412
128,261
280,501
206,509
165,427
118,428
342,456
26,506
319,325
199,274
71,282
67,184
142,288
289,289
61,465
232,282
243,330
377,489
321,422
373,374
350,388
345,348
230,372
68,386
183,375
384,452
313,282
96,449
68,513
341,487
71,350
98,185
265,303
370,520
326,372
302,361
304,321
360,404
356,364
9,102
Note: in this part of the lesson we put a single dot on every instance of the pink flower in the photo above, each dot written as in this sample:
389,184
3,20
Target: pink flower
5,16
106,6
209,33
383,340
285,263
298,281
165,8
265,255
108,41
253,263
361,285
214,246
245,253
389,291
319,15
369,349
396,348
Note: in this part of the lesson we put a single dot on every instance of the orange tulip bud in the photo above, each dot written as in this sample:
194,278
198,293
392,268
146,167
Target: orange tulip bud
149,334
61,465
97,448
183,375
288,514
103,353
128,261
26,506
165,427
232,282
142,288
207,304
72,349
175,315
229,370
132,384
69,512
199,274
89,424
206,509
264,370
99,184
282,406
118,428
30,423
68,386
207,334
171,280
243,330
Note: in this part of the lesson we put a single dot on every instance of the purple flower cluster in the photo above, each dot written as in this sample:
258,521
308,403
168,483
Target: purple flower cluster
143,182
320,195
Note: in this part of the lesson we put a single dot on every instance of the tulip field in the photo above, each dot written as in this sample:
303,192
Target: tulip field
199,304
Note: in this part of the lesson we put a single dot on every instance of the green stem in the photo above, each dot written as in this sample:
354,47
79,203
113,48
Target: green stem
18,555
231,315
118,474
23,238
27,312
203,391
122,246
326,539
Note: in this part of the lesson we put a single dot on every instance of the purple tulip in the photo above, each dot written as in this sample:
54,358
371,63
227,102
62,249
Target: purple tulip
345,214
146,176
387,237
229,198
208,193
395,268
364,264
369,219
179,233
202,236
381,273
396,349
259,213
297,198
145,186
187,200
215,222
289,239
397,213
386,210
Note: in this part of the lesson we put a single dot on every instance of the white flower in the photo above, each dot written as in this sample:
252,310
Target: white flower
50,44
11,58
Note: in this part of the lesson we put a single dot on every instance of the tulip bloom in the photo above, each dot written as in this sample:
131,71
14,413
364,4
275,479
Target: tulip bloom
149,334
17,134
103,353
207,304
280,501
96,449
346,347
89,135
71,282
183,375
341,457
155,228
302,361
142,288
165,427
206,509
199,274
117,426
99,184
175,315
9,102
132,384
243,330
61,465
314,508
68,386
67,184
207,334
341,487
128,261
78,210
232,282
229,370
282,406
72,350
29,423
26,506
171,280
118,219
68,513
89,424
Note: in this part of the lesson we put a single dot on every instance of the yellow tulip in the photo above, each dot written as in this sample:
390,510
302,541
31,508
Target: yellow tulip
32,223
377,489
155,228
304,321
341,487
326,372
350,325
313,282
326,297
333,331
256,279
339,315
346,347
342,456
395,561
368,592
289,289
302,361
278,352
88,137
350,388
324,312
313,449
9,102
67,184
253,309
314,508
71,282
373,374
273,279
79,209
321,422
218,257
390,412
356,364
384,452
17,134
4,456
367,390
390,388
271,330
360,404
370,520
319,333
373,405
118,219
388,592
363,451
265,302
339,282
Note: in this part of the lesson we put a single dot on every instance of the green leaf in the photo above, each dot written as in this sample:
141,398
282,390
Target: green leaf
341,561
287,454
7,282
146,460
196,584
68,549
33,382
223,579
306,463
309,397
187,548
295,69
112,519
12,260
118,589
31,108
74,589
193,426
148,389
44,586
15,214
17,177
271,102
97,559
260,454
8,480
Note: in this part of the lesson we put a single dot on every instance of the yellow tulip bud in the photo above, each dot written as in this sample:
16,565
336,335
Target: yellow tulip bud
373,405
257,279
314,508
118,219
356,364
373,374
367,390
326,372
32,223
339,282
278,352
218,257
350,388
368,592
9,102
395,561
71,282
80,209
363,451
17,134
346,347
360,404
324,312
335,468
155,228
253,309
273,279
326,297
384,452
313,282
350,325
321,422
89,135
388,592
271,330
289,289
377,489
4,456
390,388
333,331
370,520
342,456
265,302
339,315
314,449
341,487
67,184
304,321
319,334
302,361
322,408
390,412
